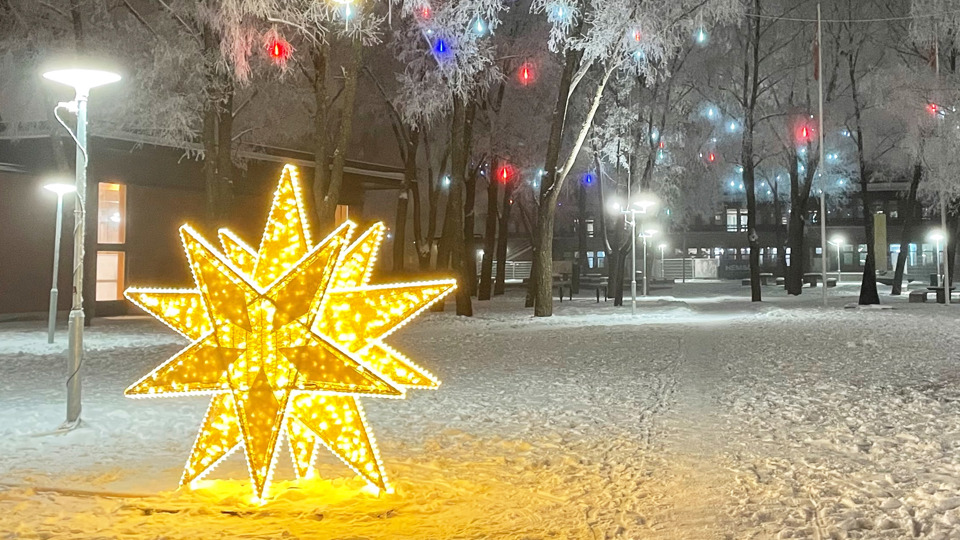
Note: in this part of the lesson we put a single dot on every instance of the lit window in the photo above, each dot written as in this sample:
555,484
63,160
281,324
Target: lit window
112,214
109,276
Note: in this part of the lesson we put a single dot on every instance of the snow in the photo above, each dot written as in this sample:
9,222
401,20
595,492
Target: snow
704,416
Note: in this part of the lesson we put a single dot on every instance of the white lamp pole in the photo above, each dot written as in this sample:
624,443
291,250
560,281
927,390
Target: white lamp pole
639,206
646,234
82,81
60,190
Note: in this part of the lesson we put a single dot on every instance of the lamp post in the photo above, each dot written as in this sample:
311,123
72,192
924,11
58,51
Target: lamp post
646,234
937,236
639,206
60,189
837,241
82,81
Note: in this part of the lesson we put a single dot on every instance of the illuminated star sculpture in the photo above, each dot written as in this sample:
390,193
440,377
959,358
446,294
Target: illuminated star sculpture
285,338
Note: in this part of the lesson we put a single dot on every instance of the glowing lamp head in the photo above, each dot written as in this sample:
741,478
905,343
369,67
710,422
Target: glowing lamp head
644,202
60,188
82,80
837,240
936,235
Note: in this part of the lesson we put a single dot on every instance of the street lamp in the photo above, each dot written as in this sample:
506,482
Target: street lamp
82,81
663,247
640,205
937,236
837,241
60,189
648,233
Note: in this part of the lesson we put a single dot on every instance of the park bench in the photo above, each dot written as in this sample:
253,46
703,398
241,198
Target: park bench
941,297
597,282
831,282
781,281
811,278
560,281
766,278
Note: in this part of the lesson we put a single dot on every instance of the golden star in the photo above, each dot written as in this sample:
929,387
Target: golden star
286,337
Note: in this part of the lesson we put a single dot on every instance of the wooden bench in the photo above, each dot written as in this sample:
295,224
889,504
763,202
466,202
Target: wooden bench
941,297
745,282
831,282
781,281
596,281
766,278
560,282
918,296
812,279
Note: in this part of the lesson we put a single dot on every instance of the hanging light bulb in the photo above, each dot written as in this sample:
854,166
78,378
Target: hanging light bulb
701,36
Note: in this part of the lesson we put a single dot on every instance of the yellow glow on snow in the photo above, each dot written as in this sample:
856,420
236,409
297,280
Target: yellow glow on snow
285,338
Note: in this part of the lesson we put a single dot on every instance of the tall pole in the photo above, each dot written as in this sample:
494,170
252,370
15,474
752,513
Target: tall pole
644,264
633,263
54,293
75,328
945,283
823,194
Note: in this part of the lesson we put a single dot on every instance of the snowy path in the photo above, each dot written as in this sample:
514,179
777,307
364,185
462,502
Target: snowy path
702,418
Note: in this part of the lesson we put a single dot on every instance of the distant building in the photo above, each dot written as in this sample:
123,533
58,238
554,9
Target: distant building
138,195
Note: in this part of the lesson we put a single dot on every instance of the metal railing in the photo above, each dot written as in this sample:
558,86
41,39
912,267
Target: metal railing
514,270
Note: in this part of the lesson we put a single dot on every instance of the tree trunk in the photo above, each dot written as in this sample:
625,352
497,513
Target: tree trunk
225,148
403,199
327,184
489,238
794,278
469,268
542,275
582,262
452,242
217,127
910,220
868,286
77,23
499,286
751,89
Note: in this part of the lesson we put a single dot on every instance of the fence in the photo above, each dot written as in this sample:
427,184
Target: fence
515,270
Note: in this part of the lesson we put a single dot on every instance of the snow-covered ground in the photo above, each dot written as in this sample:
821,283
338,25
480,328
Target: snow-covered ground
704,416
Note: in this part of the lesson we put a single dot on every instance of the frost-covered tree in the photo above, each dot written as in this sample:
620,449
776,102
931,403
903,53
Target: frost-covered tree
596,39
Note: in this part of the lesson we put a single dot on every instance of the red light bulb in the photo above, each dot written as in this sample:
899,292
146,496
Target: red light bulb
278,50
526,74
